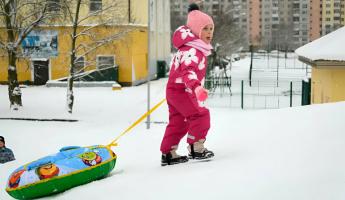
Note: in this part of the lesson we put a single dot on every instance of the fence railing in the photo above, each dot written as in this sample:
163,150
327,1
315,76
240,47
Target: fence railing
262,94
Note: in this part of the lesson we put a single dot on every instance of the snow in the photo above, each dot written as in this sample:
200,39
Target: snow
293,153
54,83
11,68
329,47
16,91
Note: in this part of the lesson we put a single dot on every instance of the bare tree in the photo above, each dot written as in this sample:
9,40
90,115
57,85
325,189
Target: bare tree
228,35
176,21
82,28
19,18
285,33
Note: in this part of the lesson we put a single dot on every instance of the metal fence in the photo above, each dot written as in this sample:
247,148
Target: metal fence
262,94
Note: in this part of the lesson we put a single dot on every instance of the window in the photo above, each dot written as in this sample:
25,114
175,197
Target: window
105,62
53,5
95,5
275,18
79,65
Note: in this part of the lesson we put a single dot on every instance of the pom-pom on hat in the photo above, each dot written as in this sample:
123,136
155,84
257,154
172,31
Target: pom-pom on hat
197,20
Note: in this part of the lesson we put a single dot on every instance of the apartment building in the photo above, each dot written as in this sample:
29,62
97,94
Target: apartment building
238,11
315,19
325,17
332,15
284,23
300,22
275,24
255,22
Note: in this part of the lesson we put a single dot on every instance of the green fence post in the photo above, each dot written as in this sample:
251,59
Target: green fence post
306,92
242,94
251,48
290,93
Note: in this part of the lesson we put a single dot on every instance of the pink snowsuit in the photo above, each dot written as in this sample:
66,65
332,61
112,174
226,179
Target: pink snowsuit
186,113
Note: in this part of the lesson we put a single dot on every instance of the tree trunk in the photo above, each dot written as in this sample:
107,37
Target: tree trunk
14,92
70,96
286,51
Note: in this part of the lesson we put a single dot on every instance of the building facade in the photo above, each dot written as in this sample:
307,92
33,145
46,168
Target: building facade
326,16
272,24
315,19
255,23
284,23
237,10
269,24
332,15
126,22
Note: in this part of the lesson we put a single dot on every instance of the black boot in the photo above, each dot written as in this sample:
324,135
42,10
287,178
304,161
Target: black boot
200,152
169,159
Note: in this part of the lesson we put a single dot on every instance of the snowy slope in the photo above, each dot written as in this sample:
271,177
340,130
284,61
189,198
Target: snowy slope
280,154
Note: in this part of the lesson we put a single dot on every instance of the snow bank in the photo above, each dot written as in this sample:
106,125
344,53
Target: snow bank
284,154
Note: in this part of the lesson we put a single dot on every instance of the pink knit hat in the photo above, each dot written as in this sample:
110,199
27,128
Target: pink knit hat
197,20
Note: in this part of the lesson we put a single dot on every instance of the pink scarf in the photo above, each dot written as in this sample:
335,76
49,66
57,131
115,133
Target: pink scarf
201,45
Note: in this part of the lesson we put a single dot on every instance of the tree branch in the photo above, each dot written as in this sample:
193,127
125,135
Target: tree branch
28,29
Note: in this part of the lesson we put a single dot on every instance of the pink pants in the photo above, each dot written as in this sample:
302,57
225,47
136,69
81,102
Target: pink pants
185,116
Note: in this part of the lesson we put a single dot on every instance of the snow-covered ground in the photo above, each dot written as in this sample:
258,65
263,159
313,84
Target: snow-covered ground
294,153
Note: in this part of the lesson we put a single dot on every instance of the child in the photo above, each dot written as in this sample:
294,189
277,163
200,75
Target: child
185,93
6,154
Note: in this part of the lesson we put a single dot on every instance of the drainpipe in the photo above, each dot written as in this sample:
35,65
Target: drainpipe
129,12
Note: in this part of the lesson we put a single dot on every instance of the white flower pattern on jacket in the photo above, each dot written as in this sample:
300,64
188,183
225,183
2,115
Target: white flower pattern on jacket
186,33
179,80
192,75
189,56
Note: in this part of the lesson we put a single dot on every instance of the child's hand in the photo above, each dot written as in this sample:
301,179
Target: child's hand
201,93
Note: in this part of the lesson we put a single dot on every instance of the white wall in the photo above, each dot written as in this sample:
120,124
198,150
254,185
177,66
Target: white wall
160,41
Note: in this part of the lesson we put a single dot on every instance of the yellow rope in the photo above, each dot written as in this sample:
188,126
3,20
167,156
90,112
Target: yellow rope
114,143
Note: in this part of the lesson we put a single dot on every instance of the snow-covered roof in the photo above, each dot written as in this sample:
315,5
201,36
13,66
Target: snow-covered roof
330,47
